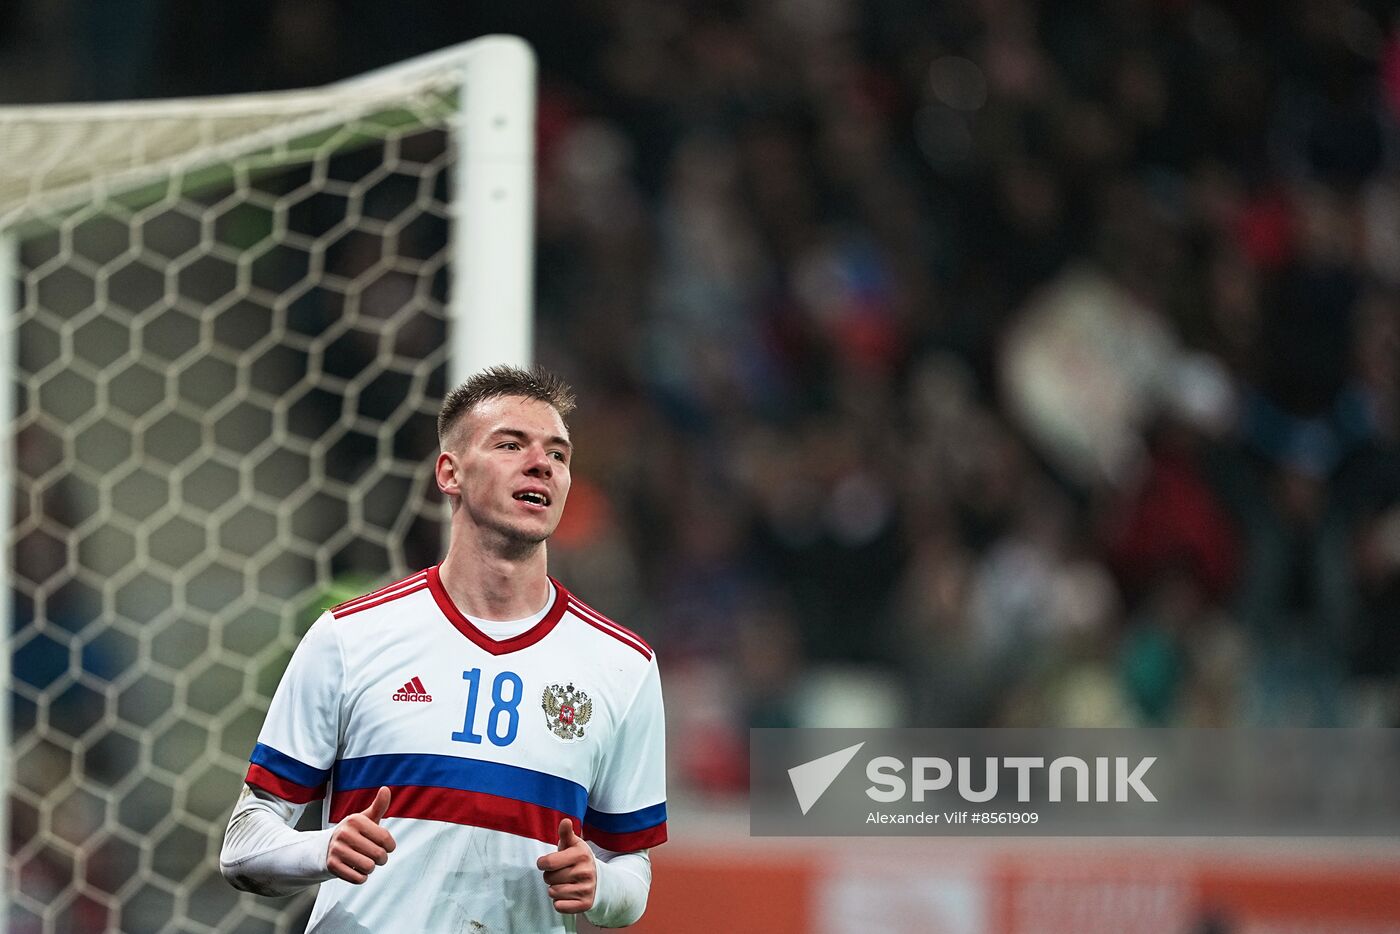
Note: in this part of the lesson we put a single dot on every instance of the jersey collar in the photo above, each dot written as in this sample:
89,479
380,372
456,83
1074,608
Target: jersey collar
526,639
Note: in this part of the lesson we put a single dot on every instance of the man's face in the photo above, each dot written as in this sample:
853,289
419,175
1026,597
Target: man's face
509,465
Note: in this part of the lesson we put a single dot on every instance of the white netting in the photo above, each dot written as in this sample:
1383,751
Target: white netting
231,343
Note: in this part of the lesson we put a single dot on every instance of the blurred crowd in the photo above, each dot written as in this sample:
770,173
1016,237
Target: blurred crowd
980,362
985,362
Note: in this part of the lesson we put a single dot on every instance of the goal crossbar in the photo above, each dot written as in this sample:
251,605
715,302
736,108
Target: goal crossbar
118,153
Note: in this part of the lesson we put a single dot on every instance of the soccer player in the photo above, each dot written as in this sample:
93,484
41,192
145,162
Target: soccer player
488,748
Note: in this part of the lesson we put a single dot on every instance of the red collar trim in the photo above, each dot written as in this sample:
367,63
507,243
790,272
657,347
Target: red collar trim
526,639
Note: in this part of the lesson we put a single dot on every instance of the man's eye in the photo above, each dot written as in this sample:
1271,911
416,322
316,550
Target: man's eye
557,455
511,446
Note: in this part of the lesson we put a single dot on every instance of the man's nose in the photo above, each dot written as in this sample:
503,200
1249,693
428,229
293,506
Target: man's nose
538,463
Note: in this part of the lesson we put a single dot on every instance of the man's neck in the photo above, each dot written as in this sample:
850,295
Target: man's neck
484,584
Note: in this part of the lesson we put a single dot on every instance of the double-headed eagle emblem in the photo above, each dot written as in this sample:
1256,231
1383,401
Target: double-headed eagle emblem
566,710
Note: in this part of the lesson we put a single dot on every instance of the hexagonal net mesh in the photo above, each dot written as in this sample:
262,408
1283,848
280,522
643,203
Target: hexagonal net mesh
228,377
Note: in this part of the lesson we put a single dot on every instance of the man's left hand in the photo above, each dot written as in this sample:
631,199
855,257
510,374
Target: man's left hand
570,872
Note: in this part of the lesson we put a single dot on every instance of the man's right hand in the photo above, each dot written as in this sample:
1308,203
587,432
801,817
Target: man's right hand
359,843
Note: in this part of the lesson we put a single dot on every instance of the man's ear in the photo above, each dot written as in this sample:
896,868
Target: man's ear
445,471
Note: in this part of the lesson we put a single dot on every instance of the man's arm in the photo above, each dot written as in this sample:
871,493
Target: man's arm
264,854
624,882
289,768
262,851
610,888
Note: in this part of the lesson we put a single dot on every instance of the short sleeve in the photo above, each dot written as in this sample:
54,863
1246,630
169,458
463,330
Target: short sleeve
627,803
300,737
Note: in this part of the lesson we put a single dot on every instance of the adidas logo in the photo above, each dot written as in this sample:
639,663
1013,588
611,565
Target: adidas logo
413,691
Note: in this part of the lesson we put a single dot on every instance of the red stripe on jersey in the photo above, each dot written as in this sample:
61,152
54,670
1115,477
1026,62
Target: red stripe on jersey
465,626
410,579
382,591
259,777
387,598
598,621
454,806
418,685
624,842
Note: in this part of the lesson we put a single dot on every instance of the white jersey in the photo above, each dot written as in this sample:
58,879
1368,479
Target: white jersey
485,747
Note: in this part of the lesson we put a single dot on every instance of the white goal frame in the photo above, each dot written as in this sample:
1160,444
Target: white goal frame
489,308
9,291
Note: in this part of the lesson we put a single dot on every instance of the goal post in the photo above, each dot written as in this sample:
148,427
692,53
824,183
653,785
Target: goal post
496,185
9,292
225,326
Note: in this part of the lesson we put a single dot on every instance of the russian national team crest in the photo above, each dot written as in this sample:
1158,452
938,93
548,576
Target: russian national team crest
566,710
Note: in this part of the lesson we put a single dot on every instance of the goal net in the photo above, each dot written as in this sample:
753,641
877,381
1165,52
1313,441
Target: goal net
227,324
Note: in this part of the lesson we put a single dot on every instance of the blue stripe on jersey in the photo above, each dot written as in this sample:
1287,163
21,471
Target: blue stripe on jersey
284,766
492,778
629,822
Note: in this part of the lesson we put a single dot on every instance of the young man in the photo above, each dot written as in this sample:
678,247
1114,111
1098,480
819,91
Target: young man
470,726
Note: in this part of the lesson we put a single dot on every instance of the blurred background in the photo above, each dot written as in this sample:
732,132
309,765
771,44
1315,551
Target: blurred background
974,363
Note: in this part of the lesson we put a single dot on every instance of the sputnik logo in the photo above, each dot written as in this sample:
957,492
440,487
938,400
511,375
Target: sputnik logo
810,780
